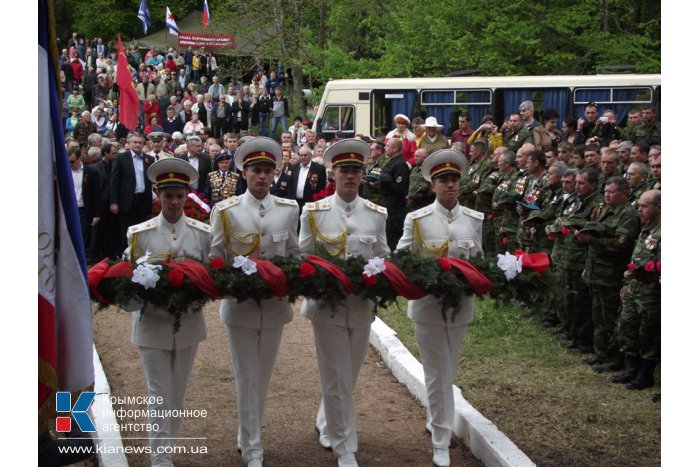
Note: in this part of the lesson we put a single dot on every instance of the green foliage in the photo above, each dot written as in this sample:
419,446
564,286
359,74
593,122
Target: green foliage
362,39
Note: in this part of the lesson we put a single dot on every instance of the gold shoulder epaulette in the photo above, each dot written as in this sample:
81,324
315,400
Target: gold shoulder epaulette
375,207
473,213
422,212
227,203
199,225
286,201
143,226
318,206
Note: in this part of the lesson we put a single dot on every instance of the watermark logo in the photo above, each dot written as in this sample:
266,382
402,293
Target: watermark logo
78,411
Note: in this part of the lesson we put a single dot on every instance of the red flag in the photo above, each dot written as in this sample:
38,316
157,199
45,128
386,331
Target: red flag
128,99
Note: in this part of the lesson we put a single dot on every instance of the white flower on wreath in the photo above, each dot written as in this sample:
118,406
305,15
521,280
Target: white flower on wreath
511,265
245,264
144,258
374,266
146,275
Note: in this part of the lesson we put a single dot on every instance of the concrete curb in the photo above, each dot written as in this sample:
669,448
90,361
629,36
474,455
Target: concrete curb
108,442
485,441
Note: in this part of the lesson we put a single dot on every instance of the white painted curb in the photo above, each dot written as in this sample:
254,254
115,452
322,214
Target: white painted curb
110,450
483,438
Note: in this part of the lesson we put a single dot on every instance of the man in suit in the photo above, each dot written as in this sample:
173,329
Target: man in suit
221,116
105,227
197,159
301,185
283,176
130,195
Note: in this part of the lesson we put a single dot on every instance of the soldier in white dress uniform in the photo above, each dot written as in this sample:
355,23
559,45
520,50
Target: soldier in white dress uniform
344,225
442,229
258,225
167,358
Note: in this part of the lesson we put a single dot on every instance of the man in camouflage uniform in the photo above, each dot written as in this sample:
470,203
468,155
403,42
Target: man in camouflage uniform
554,216
649,129
505,218
515,134
638,178
488,176
585,208
609,165
373,168
533,196
419,192
639,326
610,240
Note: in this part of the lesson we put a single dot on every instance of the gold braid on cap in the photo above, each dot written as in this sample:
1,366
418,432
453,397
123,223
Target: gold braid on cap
419,244
240,238
316,232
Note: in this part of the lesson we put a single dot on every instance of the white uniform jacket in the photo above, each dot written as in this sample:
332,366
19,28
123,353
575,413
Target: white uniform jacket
354,229
461,229
244,225
187,238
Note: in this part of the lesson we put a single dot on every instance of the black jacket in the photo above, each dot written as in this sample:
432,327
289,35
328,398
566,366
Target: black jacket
122,180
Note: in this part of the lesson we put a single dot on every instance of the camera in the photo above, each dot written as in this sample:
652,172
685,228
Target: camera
604,119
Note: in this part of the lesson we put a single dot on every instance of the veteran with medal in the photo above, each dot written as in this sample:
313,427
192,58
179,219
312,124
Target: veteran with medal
344,225
443,229
167,357
258,225
221,183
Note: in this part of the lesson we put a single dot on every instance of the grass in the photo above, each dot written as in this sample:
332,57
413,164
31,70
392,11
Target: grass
555,408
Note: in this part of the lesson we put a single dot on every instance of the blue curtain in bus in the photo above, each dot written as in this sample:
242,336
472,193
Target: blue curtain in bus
478,112
512,99
589,95
557,99
621,110
443,113
402,106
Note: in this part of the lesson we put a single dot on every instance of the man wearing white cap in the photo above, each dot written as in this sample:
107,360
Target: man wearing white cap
343,225
167,358
434,140
258,225
443,229
408,139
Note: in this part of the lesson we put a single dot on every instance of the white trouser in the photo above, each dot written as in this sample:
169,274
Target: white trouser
253,354
340,352
167,372
439,347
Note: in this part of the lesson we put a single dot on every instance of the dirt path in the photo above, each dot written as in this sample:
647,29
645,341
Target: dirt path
391,423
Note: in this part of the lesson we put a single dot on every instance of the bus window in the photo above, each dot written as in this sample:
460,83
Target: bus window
386,104
620,99
447,105
338,118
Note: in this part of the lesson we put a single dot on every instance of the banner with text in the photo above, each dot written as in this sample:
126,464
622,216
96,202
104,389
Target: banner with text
208,41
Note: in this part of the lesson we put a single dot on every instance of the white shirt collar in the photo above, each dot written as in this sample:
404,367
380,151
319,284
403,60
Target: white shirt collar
443,211
338,201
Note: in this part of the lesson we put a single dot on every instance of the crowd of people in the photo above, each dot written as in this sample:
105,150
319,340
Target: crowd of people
588,195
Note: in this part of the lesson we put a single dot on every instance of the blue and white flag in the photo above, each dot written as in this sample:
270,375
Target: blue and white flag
144,15
170,22
65,312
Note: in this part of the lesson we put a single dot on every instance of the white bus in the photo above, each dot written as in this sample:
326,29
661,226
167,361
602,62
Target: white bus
367,106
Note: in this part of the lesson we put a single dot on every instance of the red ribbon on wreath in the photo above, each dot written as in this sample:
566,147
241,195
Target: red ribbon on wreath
102,270
334,270
273,276
538,262
477,280
401,283
197,273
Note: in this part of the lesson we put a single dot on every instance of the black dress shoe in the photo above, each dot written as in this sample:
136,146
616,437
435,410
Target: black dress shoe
656,397
548,324
624,378
592,361
71,450
608,366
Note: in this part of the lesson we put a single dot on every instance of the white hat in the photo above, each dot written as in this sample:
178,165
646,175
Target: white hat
259,149
347,152
431,122
402,116
442,162
171,172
